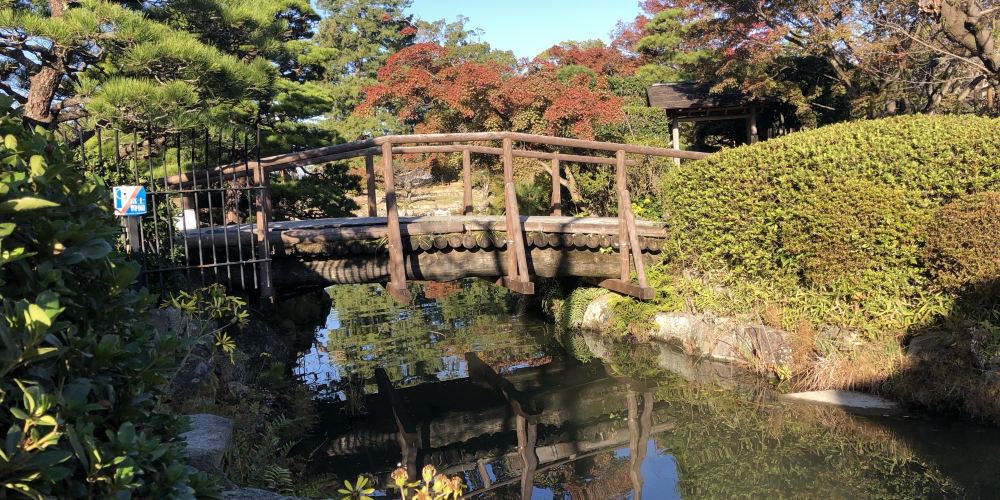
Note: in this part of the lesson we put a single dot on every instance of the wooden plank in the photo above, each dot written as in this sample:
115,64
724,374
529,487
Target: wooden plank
518,153
633,236
517,286
370,180
625,288
556,205
397,283
466,181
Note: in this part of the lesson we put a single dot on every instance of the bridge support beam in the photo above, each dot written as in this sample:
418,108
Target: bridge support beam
518,275
397,276
450,265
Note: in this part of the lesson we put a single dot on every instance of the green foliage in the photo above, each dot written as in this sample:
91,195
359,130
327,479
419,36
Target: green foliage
215,312
81,371
963,242
312,196
839,210
569,313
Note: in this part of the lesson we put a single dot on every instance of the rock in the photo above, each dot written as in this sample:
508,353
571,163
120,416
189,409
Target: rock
208,441
598,313
849,400
254,494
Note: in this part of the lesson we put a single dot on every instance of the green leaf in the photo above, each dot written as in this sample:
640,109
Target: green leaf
25,204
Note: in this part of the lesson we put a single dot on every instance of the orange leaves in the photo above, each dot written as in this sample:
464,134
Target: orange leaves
438,93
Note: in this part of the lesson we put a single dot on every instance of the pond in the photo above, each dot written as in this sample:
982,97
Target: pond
467,382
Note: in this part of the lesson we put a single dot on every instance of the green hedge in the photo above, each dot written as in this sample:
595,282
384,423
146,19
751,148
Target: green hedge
963,243
842,209
81,371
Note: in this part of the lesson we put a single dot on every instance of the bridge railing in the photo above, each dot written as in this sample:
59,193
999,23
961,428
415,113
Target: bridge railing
499,144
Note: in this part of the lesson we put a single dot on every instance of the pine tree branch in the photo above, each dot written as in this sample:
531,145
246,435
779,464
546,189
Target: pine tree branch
17,96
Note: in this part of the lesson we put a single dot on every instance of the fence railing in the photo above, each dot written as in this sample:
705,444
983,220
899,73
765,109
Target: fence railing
213,200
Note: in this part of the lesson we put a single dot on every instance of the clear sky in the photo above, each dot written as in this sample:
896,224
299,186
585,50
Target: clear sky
528,27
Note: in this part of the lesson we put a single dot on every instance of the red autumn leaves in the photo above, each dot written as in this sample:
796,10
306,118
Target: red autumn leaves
430,87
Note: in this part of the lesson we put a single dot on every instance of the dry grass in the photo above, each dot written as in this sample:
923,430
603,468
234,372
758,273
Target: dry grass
866,367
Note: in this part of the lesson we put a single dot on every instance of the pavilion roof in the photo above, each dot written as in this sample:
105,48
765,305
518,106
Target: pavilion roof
692,95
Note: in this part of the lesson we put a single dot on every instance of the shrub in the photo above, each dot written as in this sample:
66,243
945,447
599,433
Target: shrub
324,192
963,242
839,209
81,371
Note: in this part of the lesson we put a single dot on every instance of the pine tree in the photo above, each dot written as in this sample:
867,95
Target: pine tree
162,65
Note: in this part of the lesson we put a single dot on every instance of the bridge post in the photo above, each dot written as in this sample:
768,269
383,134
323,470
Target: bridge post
370,180
397,274
263,217
556,205
466,181
518,278
621,181
629,249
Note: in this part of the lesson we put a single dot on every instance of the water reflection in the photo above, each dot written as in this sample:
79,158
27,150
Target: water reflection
465,384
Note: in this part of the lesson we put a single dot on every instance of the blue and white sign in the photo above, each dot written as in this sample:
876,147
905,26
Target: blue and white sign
130,200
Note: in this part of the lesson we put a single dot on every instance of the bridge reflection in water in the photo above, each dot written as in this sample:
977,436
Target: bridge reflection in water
464,383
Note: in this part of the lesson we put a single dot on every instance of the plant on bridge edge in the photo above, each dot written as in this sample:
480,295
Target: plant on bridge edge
82,372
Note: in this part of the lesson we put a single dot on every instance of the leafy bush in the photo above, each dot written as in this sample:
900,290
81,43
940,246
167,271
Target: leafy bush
81,371
325,192
963,242
840,209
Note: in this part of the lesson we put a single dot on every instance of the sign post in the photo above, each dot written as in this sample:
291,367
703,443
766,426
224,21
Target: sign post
130,205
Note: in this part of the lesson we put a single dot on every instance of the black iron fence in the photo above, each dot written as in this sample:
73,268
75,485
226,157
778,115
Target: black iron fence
200,187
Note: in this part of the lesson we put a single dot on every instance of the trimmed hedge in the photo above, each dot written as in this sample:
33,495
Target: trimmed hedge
963,243
841,209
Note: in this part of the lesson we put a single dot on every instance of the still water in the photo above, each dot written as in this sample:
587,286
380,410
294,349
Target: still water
463,381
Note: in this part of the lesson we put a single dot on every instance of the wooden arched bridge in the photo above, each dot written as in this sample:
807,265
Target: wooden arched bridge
511,249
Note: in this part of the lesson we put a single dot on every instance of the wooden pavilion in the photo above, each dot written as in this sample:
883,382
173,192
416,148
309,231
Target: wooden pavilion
694,102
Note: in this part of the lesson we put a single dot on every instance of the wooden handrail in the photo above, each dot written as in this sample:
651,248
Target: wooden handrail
373,146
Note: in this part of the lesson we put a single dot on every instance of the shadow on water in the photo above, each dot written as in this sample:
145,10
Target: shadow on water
460,381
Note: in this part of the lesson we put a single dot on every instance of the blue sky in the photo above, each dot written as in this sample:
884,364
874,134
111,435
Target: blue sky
528,27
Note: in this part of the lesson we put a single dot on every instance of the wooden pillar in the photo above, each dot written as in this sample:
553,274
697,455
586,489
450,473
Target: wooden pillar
556,189
517,262
752,127
263,220
466,182
675,135
397,275
370,180
623,241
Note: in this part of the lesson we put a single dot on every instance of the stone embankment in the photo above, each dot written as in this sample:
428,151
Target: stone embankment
712,349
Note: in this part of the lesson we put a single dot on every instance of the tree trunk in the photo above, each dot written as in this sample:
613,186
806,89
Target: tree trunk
44,84
41,92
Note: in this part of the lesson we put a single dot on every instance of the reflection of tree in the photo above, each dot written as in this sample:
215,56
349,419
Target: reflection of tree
416,342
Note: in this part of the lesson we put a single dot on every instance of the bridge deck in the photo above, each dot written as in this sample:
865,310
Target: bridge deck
374,228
